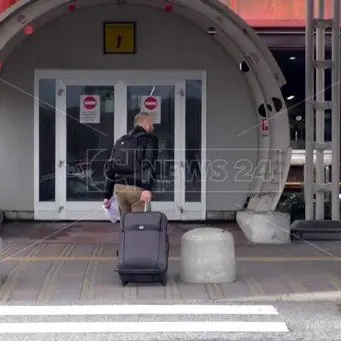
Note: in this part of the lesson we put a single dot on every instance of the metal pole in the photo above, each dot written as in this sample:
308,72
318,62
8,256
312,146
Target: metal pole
327,181
309,117
320,85
336,111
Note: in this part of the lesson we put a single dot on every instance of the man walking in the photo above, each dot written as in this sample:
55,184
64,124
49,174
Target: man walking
131,170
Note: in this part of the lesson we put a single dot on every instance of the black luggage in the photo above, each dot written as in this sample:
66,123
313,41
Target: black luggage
144,248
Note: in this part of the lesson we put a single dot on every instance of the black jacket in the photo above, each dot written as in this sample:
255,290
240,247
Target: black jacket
144,178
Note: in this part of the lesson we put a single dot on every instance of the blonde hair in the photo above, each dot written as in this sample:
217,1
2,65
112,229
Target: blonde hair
140,118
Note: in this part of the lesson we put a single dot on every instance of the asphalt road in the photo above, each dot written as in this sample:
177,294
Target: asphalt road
280,321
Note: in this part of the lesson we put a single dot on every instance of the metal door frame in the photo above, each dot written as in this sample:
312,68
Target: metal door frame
120,80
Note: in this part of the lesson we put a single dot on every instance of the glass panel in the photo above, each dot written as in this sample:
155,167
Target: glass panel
47,139
88,142
164,184
292,64
193,140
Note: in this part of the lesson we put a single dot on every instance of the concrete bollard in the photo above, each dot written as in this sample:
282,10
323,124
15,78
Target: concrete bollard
208,256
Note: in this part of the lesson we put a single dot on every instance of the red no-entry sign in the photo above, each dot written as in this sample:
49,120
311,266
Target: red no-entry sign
150,103
90,103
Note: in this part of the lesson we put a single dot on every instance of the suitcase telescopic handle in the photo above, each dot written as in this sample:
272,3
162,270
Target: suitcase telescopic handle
147,207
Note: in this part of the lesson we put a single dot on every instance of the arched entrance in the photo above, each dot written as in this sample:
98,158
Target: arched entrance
242,110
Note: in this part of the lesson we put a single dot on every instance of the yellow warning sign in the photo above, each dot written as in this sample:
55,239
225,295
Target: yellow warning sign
119,37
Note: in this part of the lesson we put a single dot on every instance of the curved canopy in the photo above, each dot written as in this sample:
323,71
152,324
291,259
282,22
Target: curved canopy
233,34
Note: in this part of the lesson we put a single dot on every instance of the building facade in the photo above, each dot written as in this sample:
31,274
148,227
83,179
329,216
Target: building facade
67,92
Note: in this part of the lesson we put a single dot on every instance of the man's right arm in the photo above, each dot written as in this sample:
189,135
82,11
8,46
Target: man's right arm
149,163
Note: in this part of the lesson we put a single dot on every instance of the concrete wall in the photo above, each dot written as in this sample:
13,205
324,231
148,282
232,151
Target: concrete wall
164,41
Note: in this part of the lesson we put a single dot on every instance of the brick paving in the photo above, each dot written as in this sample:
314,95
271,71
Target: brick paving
37,273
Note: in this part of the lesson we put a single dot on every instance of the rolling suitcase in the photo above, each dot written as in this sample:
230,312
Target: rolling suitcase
144,248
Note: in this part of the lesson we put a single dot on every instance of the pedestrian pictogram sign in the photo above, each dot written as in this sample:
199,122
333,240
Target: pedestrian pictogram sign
152,105
90,109
119,37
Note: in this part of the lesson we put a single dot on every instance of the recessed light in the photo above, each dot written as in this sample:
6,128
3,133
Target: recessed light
292,58
290,97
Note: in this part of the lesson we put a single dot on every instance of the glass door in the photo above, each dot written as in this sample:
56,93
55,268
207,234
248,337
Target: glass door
45,149
83,117
86,136
163,101
193,133
178,112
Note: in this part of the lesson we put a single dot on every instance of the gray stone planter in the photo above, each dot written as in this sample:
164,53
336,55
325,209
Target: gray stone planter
2,275
265,228
1,221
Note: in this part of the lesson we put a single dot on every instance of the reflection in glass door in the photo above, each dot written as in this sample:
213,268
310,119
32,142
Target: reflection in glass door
89,131
45,147
88,141
194,170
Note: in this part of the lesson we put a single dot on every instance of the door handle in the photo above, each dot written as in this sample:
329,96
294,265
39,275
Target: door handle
60,163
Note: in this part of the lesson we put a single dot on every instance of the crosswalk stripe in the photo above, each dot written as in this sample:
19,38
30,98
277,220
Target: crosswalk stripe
141,327
138,310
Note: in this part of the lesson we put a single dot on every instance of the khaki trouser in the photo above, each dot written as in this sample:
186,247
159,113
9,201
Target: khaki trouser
128,198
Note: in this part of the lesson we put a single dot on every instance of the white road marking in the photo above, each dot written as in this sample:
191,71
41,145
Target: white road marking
138,310
141,327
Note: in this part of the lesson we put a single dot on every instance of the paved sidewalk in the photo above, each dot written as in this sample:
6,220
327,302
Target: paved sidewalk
55,263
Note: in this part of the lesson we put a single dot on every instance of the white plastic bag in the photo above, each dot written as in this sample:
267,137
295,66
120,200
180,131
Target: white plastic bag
113,212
